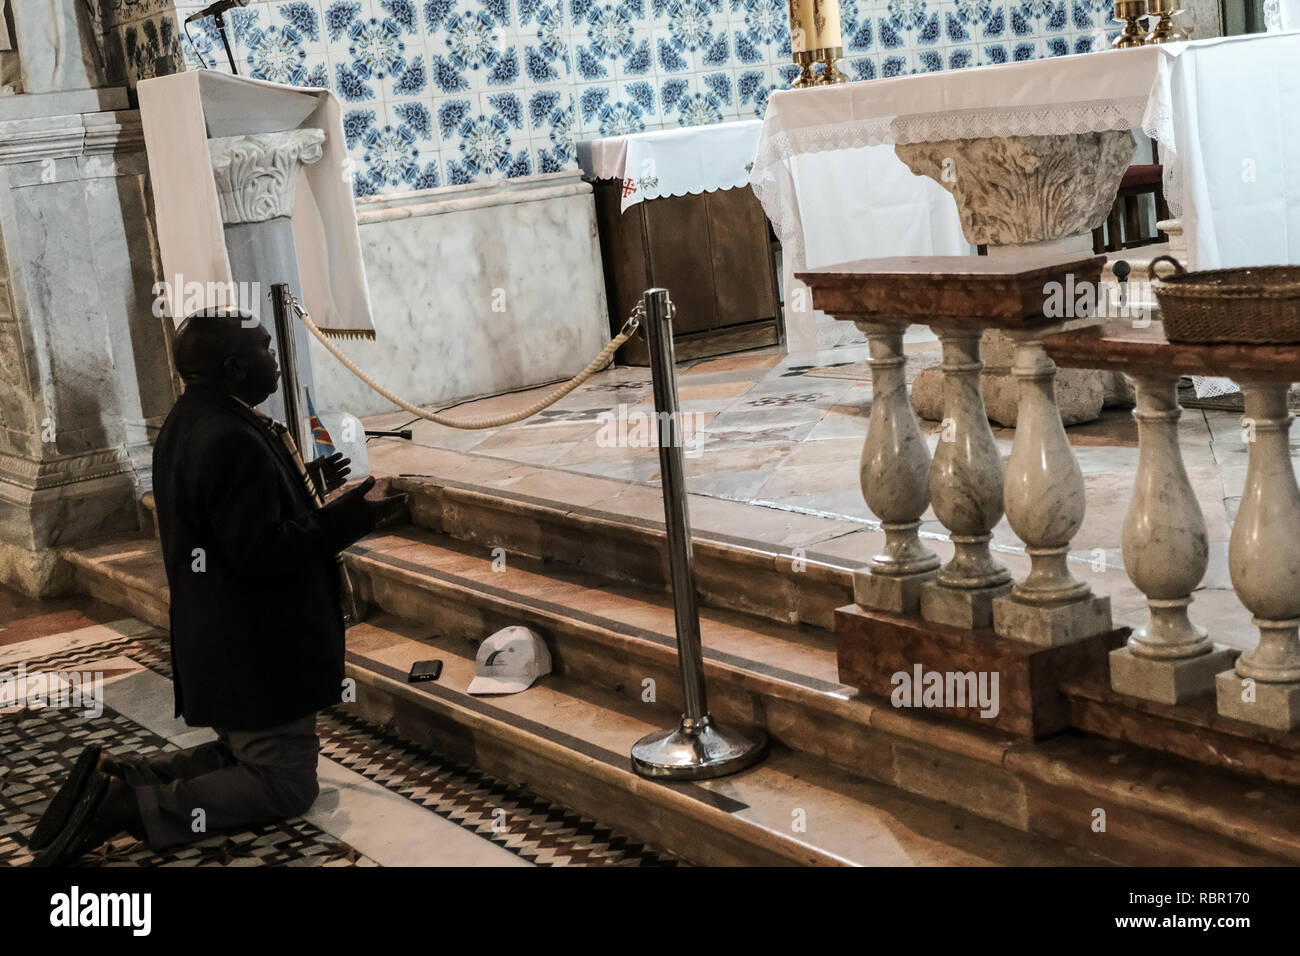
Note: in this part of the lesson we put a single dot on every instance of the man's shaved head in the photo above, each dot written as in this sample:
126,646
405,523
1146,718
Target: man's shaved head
226,347
205,340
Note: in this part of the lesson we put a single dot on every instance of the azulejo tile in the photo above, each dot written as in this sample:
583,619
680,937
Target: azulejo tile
458,90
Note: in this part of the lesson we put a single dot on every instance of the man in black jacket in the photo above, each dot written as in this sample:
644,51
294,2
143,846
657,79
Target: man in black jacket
257,633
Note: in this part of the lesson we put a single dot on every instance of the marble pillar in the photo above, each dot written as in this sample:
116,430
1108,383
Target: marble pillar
1045,502
256,178
895,474
86,377
1264,562
1166,552
966,491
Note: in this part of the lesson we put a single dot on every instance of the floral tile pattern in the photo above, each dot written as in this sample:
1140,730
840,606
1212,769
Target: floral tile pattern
444,92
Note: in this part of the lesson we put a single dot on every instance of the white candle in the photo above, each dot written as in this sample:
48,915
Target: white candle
826,19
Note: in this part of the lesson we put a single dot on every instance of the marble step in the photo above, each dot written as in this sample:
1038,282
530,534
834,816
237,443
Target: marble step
607,639
570,742
785,584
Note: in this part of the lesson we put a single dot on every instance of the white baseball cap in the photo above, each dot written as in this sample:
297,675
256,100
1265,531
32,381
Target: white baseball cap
509,661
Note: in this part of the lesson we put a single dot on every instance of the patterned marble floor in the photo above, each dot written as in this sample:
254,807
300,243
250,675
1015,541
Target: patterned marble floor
775,431
384,801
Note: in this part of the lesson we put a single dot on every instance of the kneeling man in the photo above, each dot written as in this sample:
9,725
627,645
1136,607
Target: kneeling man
256,626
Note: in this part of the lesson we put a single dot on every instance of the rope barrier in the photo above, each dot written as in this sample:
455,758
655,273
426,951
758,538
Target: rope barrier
628,330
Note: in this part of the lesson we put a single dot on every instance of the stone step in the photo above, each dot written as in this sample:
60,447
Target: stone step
570,742
607,639
791,585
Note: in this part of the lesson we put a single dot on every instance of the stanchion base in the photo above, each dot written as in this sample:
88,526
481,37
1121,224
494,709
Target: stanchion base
696,750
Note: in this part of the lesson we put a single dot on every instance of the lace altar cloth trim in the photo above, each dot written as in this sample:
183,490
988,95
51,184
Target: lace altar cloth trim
677,162
771,182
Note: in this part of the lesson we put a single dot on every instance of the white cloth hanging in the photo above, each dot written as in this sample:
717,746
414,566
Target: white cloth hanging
180,113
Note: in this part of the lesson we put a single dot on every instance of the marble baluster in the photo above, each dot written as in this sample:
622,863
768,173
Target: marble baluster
1166,552
966,491
1264,562
895,477
1044,499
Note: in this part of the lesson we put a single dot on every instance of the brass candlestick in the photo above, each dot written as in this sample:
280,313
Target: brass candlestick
815,37
1131,11
1166,31
830,72
805,60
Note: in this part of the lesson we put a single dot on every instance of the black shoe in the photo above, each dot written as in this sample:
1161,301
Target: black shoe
56,814
77,835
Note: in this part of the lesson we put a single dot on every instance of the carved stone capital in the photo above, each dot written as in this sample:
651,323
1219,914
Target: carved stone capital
1013,190
256,175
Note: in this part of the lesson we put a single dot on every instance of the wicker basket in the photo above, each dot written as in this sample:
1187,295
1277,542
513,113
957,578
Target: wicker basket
1256,305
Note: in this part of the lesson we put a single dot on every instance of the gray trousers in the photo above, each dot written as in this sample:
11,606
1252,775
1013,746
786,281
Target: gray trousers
240,779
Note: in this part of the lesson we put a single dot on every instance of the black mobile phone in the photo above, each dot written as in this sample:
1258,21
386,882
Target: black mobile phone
424,670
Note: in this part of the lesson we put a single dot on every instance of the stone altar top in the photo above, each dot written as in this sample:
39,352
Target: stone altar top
1124,348
971,291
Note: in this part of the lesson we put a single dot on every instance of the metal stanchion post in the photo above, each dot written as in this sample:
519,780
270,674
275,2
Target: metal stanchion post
698,748
287,351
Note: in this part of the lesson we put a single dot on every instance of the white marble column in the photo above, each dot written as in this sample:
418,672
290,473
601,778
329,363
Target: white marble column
1045,503
1166,552
1264,561
256,177
895,481
966,490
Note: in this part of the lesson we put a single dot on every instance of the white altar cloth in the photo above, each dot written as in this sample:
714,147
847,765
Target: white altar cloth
179,114
674,162
1223,111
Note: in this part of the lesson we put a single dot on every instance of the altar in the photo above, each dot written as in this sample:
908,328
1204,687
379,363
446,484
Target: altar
1031,153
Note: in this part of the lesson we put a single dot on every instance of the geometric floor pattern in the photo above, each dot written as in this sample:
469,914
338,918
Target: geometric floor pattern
510,816
38,747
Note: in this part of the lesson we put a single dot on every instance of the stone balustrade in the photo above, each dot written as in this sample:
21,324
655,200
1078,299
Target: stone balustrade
1170,659
1167,658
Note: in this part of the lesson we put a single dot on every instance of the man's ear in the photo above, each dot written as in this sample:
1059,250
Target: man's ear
233,369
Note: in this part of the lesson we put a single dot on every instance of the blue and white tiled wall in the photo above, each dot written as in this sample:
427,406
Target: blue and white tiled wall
440,92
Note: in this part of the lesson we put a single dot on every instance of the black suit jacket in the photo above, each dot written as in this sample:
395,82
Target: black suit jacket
256,628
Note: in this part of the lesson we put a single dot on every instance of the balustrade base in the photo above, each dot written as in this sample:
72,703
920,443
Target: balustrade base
1052,625
969,608
1168,681
1276,706
919,664
896,593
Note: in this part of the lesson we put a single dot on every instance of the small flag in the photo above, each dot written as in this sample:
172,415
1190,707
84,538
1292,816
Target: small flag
319,435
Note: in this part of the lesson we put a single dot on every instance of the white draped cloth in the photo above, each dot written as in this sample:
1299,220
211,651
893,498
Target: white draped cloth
1224,112
674,162
1212,105
179,114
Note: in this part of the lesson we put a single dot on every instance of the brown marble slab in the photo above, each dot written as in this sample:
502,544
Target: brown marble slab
1124,348
975,291
873,646
1193,730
